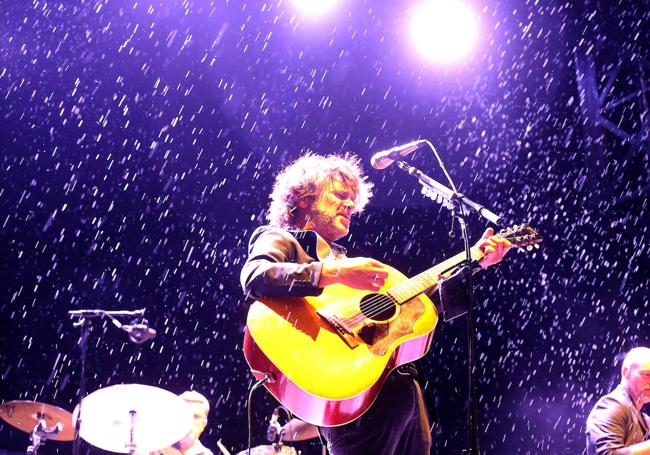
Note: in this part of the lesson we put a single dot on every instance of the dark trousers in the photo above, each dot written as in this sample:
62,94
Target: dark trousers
395,424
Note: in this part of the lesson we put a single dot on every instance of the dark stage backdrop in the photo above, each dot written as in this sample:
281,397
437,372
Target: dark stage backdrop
139,143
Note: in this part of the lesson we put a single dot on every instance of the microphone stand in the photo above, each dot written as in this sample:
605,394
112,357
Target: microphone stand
84,322
459,213
460,207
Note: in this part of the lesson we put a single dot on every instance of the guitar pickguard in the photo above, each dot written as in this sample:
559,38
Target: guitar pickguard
379,321
380,337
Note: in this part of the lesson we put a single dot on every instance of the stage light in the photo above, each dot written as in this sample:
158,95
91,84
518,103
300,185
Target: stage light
314,8
443,31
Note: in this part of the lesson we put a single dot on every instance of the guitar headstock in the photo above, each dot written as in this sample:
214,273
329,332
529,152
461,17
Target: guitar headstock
521,236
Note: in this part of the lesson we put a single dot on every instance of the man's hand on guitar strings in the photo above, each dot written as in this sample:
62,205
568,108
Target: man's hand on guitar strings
494,247
358,273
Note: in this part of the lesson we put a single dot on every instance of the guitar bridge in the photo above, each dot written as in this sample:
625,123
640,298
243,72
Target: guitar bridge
346,334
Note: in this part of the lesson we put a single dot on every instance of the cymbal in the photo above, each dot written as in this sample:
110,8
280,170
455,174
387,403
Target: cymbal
160,418
24,415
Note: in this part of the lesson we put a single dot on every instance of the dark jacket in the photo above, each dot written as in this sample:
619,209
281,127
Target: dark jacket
283,263
614,424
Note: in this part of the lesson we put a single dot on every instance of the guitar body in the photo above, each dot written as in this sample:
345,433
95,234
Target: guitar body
328,356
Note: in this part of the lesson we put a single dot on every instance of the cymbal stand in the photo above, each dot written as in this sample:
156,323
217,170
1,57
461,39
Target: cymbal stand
42,433
84,318
84,323
131,445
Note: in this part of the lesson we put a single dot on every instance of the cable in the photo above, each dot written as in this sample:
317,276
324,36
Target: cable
255,386
442,166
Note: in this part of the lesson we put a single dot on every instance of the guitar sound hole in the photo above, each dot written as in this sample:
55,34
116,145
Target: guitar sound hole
378,307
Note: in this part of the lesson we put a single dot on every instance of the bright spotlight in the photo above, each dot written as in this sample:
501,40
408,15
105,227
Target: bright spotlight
444,31
314,8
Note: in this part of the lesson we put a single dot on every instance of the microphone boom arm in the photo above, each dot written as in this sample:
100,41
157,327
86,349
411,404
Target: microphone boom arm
94,313
446,196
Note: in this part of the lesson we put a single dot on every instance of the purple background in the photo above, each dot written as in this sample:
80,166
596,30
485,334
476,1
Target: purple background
140,141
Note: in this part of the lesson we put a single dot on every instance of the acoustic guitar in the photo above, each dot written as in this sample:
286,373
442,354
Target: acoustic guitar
325,358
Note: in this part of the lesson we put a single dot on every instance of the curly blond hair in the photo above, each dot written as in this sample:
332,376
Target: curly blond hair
304,178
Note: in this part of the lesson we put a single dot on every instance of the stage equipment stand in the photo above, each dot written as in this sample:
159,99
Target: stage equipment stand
460,207
84,319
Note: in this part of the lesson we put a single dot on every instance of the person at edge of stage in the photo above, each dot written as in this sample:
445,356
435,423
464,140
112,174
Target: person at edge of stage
312,202
617,424
190,444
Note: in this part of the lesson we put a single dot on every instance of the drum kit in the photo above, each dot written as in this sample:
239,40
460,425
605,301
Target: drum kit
126,418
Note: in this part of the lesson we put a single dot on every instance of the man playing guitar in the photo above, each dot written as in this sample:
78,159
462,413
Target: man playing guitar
312,203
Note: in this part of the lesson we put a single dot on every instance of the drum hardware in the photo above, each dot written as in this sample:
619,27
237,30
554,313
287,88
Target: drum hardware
273,449
131,445
40,434
299,430
138,333
275,432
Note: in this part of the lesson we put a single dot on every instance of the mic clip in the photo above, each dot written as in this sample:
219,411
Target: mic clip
139,332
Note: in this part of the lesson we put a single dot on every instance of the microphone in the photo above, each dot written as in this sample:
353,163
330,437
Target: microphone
381,160
139,333
274,427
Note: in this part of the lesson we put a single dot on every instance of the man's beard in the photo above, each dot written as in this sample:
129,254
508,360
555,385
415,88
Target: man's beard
326,226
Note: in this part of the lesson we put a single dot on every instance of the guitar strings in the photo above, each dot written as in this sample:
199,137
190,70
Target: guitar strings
375,305
381,302
384,301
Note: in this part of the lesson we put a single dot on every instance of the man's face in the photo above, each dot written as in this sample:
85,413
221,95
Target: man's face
200,418
638,381
330,213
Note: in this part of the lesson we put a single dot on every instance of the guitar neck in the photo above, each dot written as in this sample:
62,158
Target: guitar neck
418,284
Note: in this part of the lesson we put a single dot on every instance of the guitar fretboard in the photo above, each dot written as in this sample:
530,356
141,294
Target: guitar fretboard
418,284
